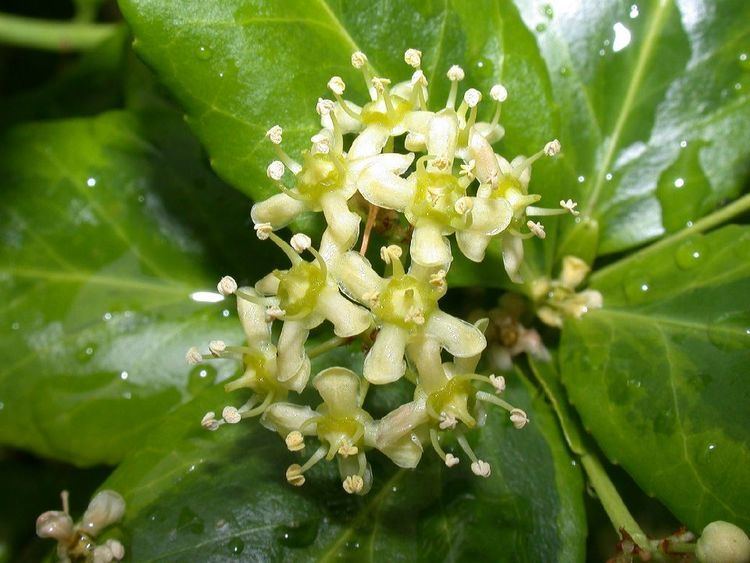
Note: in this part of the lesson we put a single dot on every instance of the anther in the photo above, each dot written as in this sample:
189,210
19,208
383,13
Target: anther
519,418
324,106
570,206
226,286
455,75
347,449
451,460
552,148
336,85
275,134
447,420
263,230
472,97
536,228
438,279
300,242
463,205
294,475
467,170
193,356
499,93
231,415
359,59
413,58
353,484
275,170
498,382
274,312
481,468
217,347
209,421
295,441
391,253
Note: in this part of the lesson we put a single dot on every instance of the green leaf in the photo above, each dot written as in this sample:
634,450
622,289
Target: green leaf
106,236
654,108
659,374
217,494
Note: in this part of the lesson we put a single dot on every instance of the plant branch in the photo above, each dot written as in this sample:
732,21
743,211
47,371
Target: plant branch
718,217
326,346
52,35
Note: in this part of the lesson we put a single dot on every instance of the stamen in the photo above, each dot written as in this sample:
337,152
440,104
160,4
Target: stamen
472,97
532,211
498,382
231,415
263,230
295,441
274,312
193,356
326,107
463,442
274,134
248,412
518,418
209,421
537,229
347,449
336,85
392,255
275,170
359,61
467,170
226,286
481,468
437,280
65,498
499,94
418,82
550,149
455,74
435,441
300,242
447,420
570,206
451,460
413,58
321,262
315,458
285,248
294,475
381,87
353,484
217,347
321,144
362,463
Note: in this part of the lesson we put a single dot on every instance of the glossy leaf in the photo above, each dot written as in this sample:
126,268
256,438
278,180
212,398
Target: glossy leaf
220,494
108,242
659,374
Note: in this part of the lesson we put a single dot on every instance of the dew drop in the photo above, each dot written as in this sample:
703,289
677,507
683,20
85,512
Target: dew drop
679,182
602,52
236,546
124,375
637,288
204,53
299,535
201,376
683,144
548,11
707,455
15,326
690,254
86,353
731,331
189,521
581,179
608,176
541,27
634,11
744,61
107,316
564,71
483,68
91,182
664,422
225,313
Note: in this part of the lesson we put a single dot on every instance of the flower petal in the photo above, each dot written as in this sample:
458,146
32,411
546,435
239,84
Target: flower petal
512,257
347,122
356,277
342,223
348,319
369,142
106,508
490,216
383,188
404,452
253,319
486,168
279,210
458,337
442,135
385,360
339,388
473,245
285,417
291,349
428,245
400,422
492,134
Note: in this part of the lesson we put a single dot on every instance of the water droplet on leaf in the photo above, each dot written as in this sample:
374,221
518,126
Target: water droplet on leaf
300,535
236,546
690,254
731,331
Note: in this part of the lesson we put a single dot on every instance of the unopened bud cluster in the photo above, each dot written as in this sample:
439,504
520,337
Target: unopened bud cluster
449,182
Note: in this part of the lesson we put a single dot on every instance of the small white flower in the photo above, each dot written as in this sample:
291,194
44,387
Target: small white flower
217,347
498,382
193,356
353,484
552,148
226,286
295,441
294,475
481,468
359,59
275,134
570,206
324,106
499,93
467,169
463,205
519,418
336,85
451,460
300,242
472,97
263,230
209,421
447,420
275,170
274,312
413,57
537,229
231,415
455,73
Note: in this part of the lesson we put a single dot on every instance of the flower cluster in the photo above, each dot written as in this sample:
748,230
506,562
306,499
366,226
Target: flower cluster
450,182
76,542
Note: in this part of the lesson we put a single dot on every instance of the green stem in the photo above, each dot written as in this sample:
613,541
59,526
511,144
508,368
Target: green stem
737,207
612,502
326,346
681,547
52,35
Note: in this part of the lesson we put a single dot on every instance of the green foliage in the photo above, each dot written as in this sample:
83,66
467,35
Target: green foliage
111,220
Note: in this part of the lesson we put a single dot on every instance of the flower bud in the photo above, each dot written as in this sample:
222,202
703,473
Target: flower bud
723,542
